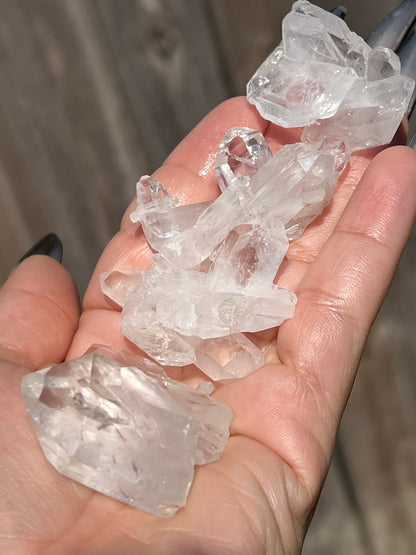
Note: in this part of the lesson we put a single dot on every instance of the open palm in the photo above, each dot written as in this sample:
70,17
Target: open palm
259,496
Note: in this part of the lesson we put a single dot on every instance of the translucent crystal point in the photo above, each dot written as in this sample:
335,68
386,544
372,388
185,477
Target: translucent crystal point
250,256
275,188
128,431
324,72
241,153
293,187
294,94
151,197
230,357
142,326
167,224
369,115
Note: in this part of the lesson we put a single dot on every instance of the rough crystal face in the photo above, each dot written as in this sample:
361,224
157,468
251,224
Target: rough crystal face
369,115
129,432
293,94
229,357
276,188
160,214
118,284
182,302
249,257
152,197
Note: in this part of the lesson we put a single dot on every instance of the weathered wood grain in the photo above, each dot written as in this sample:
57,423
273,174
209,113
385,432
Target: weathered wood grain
168,65
59,160
93,94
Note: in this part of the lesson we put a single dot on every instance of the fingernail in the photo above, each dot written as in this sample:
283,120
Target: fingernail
393,29
340,11
408,61
412,141
50,245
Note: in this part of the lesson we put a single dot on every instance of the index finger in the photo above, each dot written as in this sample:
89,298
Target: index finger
188,173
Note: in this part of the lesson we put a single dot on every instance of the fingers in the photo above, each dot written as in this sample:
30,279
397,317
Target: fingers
39,310
189,174
344,288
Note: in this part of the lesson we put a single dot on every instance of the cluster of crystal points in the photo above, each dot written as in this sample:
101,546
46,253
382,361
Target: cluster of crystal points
116,422
212,276
327,79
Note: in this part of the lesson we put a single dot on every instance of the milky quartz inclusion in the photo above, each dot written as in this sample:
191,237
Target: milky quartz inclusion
117,423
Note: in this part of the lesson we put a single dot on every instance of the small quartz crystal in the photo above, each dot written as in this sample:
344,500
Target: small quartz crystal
124,428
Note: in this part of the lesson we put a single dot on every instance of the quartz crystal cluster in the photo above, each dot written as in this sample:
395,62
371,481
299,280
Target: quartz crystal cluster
118,424
327,79
213,272
121,425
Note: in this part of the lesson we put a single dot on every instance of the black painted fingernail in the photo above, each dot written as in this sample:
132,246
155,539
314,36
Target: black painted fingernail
393,29
340,11
407,55
50,245
412,141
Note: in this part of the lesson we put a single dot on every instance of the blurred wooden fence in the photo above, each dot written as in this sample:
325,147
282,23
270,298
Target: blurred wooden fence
94,93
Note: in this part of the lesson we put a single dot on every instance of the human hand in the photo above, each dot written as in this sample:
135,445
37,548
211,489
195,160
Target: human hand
259,496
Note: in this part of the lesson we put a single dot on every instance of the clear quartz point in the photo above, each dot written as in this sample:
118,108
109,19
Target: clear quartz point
117,423
250,256
241,153
152,198
228,358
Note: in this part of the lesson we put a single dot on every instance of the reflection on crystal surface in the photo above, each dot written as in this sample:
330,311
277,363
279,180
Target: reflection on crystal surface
250,256
127,431
241,153
117,285
230,357
151,197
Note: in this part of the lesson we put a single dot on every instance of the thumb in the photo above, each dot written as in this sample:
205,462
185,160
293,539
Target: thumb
39,312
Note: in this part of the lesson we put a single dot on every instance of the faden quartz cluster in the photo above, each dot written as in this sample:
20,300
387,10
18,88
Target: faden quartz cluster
116,422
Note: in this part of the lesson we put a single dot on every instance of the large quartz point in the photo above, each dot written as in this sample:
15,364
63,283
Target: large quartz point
124,428
324,74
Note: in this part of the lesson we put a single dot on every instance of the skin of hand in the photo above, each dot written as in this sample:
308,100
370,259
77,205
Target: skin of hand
259,497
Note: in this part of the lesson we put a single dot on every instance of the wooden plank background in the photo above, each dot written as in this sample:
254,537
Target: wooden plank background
94,93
